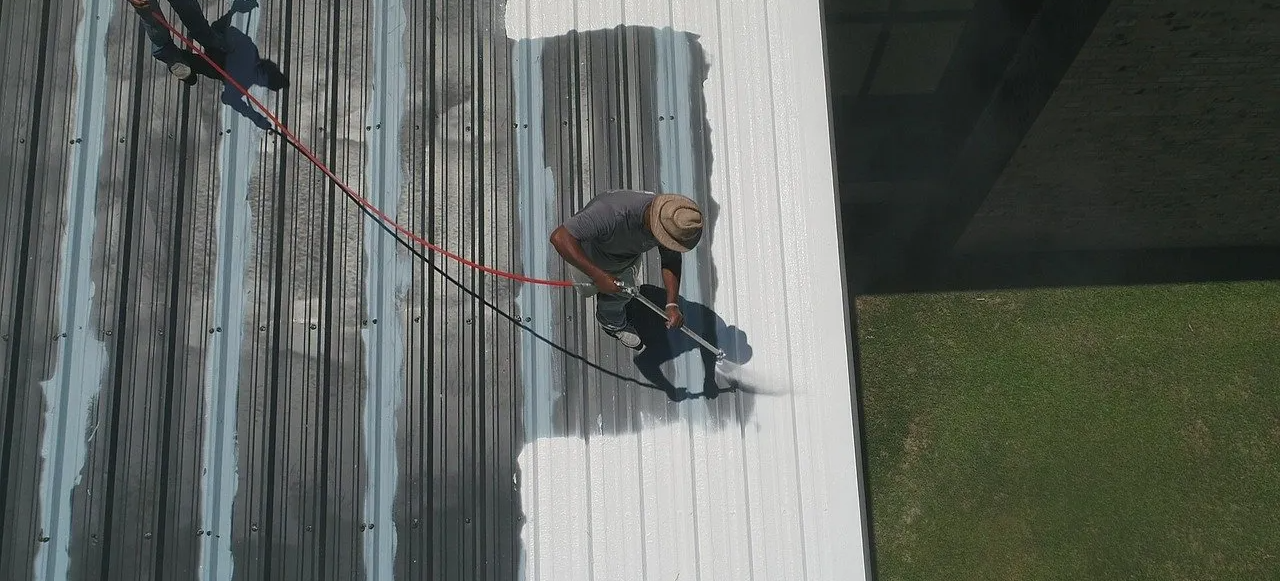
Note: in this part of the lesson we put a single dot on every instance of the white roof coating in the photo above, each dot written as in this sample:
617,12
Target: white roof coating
778,496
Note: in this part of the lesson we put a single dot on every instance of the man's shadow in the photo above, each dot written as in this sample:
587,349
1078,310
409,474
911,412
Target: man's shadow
243,63
663,345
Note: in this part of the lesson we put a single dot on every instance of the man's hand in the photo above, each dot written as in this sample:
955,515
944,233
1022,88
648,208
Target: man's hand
675,318
607,284
141,4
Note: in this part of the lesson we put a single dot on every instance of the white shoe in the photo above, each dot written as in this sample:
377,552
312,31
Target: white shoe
628,337
181,70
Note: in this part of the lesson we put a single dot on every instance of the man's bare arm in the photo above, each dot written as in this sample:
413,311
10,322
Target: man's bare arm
571,250
671,270
671,279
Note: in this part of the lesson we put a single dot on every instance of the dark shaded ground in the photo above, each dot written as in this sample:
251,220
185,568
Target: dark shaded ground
1063,143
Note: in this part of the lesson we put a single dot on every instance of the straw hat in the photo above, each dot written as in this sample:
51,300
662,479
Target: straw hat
676,222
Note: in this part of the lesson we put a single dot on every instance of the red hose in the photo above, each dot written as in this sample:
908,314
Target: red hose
283,130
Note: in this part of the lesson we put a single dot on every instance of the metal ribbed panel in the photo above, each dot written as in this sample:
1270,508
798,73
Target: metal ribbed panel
36,144
723,102
262,385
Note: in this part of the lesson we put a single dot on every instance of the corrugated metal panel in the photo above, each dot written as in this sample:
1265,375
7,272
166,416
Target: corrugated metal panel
745,486
215,367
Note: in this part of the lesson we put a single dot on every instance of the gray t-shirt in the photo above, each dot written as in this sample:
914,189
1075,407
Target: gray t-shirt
612,232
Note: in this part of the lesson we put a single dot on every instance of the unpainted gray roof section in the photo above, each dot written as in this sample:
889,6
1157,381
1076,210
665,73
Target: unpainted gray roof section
215,366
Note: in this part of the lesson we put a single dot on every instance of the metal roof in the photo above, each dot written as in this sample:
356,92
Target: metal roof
216,367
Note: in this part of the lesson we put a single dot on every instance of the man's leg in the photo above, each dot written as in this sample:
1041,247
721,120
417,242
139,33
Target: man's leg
611,310
163,48
193,18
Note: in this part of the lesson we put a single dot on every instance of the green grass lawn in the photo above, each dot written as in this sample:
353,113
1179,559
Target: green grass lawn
1115,433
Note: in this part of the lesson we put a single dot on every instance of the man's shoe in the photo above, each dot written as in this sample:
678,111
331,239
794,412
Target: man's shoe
627,336
181,70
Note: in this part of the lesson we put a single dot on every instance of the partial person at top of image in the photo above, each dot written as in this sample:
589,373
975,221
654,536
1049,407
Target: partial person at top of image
164,50
233,52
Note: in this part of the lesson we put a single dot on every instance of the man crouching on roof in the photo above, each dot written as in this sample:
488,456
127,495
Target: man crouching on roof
607,239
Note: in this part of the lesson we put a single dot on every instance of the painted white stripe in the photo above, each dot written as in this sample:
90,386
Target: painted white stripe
385,277
668,511
675,151
537,205
219,478
71,394
540,366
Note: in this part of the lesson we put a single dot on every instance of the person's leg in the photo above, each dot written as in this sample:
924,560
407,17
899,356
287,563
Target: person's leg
611,314
193,18
611,310
162,47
